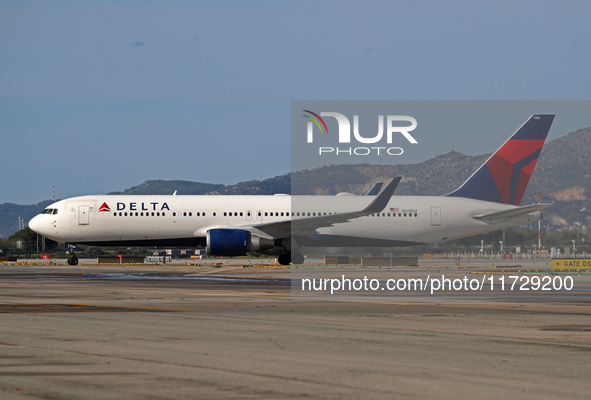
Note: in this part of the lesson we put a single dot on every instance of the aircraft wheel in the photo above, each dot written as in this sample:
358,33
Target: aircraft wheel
284,259
297,258
72,260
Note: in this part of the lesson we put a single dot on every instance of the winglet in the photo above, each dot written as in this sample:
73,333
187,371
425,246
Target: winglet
383,198
375,189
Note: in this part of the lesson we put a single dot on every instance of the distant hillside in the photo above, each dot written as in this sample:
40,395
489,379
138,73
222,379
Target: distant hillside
562,175
437,176
564,163
278,184
169,187
9,214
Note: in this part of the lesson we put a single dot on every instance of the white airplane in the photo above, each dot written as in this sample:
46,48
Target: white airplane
235,225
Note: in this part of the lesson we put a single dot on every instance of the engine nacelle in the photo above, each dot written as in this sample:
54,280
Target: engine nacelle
235,242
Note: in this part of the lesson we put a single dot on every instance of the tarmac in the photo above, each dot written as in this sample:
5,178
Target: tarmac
228,331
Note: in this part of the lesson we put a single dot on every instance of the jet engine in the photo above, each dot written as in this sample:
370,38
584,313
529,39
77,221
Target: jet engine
235,242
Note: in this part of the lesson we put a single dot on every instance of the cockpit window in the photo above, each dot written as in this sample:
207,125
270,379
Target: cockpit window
52,211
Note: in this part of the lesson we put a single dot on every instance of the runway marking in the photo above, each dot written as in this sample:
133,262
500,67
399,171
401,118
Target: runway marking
72,308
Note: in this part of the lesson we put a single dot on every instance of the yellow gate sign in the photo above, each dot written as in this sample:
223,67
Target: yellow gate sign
571,263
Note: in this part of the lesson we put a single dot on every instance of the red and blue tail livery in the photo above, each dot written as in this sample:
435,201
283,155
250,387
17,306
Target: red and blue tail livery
503,178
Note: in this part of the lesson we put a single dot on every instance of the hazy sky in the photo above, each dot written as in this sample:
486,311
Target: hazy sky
98,96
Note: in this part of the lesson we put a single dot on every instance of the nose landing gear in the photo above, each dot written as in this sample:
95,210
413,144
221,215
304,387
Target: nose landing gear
73,260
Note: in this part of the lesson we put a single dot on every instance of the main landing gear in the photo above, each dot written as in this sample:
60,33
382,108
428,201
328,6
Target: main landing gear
292,254
284,259
287,258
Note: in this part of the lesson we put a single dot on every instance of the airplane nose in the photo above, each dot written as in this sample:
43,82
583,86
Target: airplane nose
34,224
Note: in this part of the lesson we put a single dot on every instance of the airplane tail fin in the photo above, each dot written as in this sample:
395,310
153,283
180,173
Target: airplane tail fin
503,178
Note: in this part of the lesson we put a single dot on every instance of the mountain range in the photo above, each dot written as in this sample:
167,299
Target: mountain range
562,176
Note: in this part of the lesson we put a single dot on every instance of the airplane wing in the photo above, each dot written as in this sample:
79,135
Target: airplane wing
309,225
514,212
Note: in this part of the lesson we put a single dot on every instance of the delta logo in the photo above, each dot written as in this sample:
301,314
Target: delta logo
104,208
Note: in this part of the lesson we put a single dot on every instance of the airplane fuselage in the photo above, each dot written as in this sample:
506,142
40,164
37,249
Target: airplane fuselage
235,225
185,220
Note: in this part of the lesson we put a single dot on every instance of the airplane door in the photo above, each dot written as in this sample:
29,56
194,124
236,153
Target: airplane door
435,216
259,215
83,215
248,215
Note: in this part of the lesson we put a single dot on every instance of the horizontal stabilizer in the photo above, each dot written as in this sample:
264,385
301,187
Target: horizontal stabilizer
514,212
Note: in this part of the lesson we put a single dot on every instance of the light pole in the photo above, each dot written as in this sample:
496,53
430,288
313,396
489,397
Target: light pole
574,248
